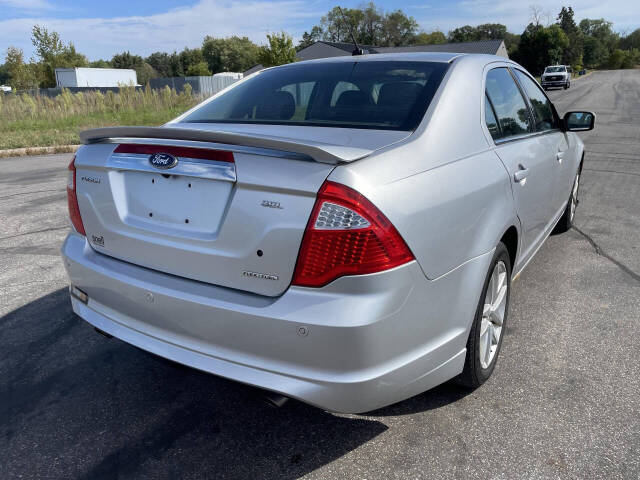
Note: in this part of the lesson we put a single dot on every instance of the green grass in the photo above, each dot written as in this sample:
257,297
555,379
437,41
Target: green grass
28,121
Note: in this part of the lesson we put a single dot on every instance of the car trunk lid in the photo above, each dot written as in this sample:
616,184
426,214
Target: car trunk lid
228,214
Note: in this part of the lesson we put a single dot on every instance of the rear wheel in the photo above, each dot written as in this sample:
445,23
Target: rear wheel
566,221
485,338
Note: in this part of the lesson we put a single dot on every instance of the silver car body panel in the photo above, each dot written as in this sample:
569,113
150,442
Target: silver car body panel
139,214
303,140
371,340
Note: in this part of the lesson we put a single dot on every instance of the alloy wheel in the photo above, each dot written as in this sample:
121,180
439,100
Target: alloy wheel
495,303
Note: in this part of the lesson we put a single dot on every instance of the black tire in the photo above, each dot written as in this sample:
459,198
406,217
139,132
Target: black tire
567,85
473,374
566,220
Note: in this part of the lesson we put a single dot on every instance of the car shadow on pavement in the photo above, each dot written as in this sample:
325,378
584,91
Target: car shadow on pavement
74,404
437,397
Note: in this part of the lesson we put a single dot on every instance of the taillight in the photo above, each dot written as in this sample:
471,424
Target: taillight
186,152
72,199
346,235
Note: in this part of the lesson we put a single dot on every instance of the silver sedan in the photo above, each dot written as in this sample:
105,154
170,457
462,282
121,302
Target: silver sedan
341,231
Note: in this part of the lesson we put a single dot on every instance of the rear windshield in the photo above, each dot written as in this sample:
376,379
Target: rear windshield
555,69
377,94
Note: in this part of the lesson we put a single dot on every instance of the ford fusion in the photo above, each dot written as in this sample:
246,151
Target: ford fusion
339,231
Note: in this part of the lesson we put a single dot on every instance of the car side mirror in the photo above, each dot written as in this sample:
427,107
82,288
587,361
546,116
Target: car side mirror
579,121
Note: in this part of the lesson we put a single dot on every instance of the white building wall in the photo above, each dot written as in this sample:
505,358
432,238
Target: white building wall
95,77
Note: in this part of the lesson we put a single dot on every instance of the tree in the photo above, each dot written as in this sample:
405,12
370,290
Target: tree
512,41
398,29
536,15
279,51
161,63
190,57
623,59
599,41
47,44
491,31
144,71
309,38
595,53
198,69
52,54
336,25
541,46
176,66
572,55
462,34
233,54
4,74
631,41
485,31
21,75
372,22
431,38
100,64
369,25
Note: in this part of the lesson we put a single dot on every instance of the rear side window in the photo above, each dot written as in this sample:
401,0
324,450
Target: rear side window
508,103
542,109
490,119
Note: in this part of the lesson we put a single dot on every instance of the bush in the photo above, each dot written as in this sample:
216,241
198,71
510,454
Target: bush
623,59
29,121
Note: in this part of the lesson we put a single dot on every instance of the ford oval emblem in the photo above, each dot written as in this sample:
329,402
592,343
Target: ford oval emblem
163,160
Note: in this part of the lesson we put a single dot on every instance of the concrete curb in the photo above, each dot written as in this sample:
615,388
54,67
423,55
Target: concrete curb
21,152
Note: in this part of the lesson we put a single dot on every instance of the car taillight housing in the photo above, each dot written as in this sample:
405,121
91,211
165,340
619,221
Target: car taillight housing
72,199
346,235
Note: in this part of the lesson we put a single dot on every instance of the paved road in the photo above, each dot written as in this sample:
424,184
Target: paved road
564,401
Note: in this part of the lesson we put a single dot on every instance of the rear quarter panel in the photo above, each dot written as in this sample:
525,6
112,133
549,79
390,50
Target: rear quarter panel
447,215
444,188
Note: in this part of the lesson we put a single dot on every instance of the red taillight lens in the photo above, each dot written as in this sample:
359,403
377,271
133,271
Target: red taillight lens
186,152
72,199
346,235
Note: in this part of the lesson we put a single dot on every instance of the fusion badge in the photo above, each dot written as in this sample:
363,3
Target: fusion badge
264,276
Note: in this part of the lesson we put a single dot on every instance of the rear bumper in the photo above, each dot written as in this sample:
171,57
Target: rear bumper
355,345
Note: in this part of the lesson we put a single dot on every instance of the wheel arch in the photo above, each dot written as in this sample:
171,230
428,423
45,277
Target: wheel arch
510,240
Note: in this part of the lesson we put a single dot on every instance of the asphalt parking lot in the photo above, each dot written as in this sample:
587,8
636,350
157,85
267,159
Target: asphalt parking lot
564,401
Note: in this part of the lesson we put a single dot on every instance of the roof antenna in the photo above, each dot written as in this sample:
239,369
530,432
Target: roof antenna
357,50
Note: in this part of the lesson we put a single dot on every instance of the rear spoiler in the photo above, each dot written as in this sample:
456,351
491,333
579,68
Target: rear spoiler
320,152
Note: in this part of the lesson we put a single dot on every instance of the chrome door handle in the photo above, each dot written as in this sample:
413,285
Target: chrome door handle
521,175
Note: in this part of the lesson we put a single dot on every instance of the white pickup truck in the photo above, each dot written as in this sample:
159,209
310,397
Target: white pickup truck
556,76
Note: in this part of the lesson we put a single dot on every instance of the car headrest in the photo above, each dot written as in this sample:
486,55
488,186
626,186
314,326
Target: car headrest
278,106
399,94
352,98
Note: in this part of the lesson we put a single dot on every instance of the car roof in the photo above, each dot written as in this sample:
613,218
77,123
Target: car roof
441,57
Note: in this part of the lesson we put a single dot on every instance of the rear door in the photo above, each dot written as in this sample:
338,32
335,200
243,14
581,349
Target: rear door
548,125
525,155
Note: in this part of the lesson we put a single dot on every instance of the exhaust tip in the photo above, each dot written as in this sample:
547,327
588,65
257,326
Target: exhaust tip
274,400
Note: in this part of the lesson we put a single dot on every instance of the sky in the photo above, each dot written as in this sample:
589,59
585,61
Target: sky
99,29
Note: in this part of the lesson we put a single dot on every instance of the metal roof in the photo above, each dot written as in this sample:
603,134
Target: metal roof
443,57
483,46
490,47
